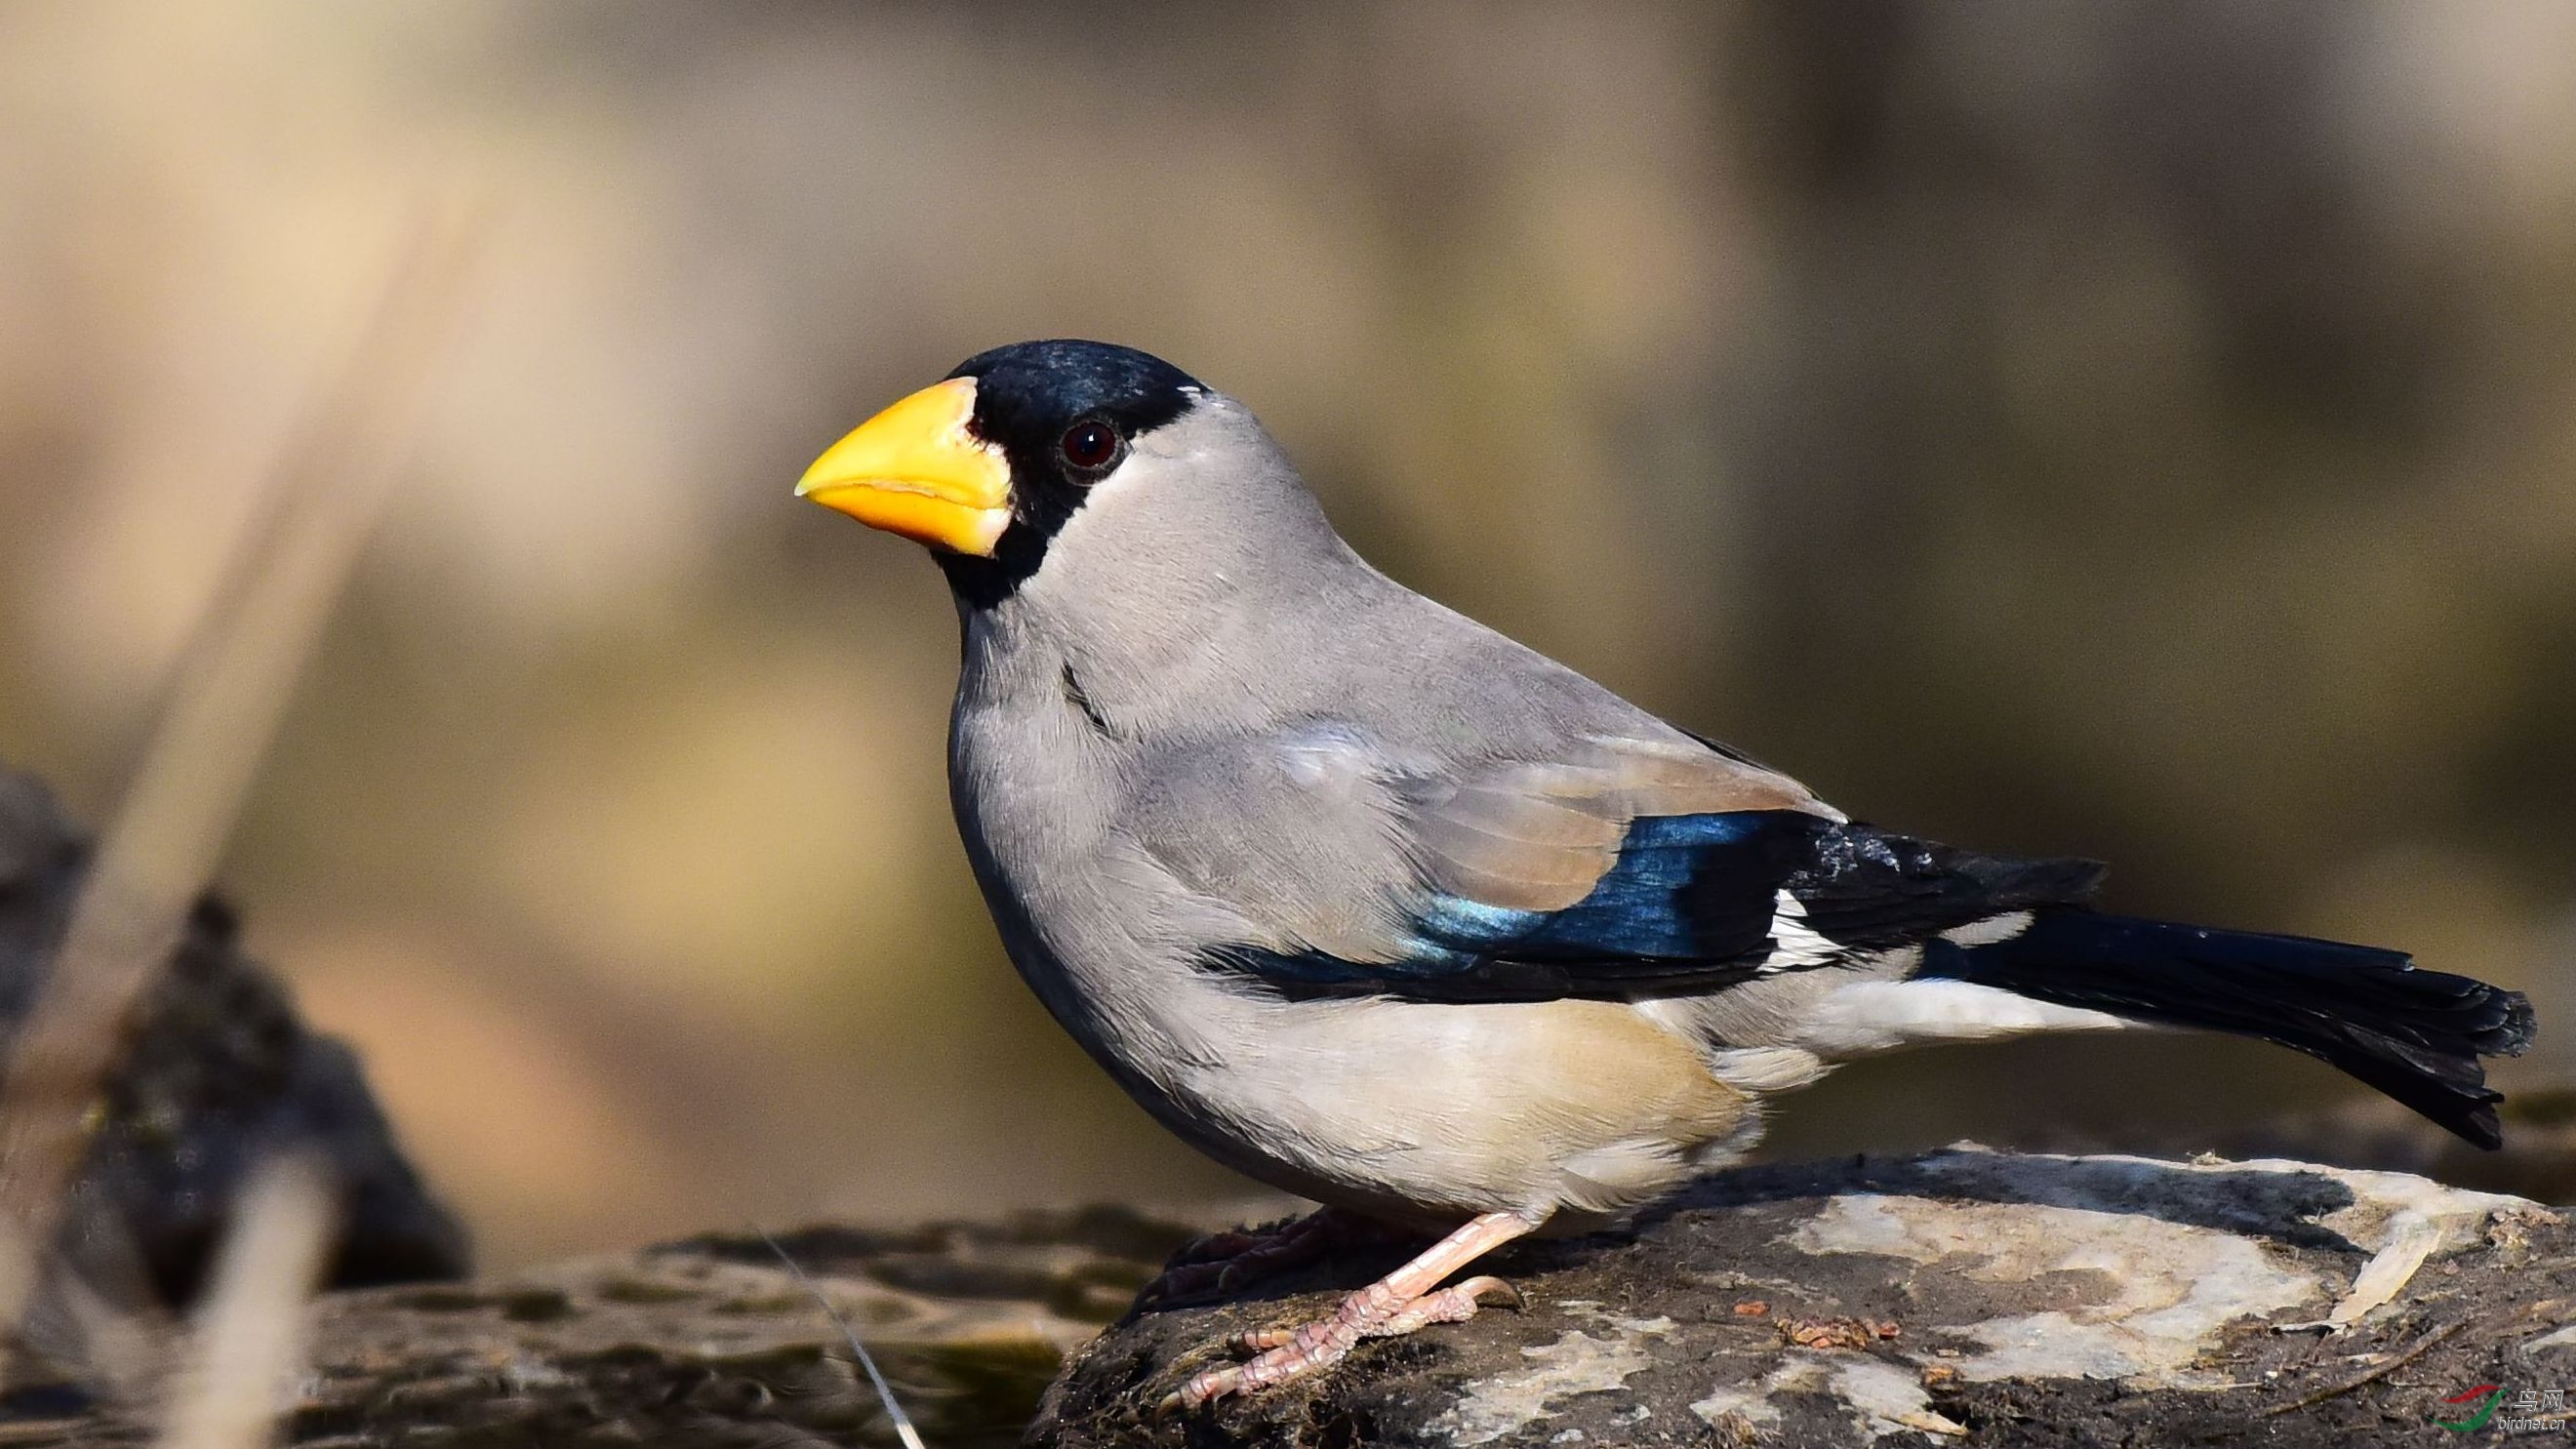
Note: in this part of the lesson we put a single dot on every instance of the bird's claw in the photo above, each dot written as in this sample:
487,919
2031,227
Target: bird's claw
1281,1354
1259,1340
1219,1263
1446,1305
1181,1281
1217,1247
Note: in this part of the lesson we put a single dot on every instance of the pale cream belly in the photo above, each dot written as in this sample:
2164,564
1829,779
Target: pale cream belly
1427,1112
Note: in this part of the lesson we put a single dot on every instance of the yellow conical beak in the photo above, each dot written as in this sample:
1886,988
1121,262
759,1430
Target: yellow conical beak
915,470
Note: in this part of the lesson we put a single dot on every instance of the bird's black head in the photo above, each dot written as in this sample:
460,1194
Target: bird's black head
987,466
1063,413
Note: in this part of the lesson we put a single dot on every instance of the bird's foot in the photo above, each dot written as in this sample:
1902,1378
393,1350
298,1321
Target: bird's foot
1287,1353
1400,1302
1454,1304
1222,1262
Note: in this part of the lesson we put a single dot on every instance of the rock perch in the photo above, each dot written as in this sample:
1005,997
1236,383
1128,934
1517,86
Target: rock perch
1958,1298
1961,1297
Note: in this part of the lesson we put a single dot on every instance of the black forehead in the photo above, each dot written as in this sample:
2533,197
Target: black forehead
1029,391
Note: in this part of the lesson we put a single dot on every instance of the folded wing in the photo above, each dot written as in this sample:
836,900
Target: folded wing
1632,868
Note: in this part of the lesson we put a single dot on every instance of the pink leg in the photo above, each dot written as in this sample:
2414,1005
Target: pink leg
1222,1262
1400,1302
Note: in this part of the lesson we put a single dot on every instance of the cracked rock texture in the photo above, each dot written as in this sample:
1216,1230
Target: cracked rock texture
1962,1296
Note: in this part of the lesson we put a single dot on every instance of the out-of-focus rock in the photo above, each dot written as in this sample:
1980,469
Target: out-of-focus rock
216,1074
1962,1296
707,1344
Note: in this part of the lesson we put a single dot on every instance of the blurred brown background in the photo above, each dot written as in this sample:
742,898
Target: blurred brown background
2139,430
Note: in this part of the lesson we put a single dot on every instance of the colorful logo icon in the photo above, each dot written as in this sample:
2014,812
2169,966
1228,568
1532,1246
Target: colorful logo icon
2486,1397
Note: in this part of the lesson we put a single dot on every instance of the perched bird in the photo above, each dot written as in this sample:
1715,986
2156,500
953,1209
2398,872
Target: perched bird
1384,909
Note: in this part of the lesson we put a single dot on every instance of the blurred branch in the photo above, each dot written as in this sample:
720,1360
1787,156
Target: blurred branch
231,687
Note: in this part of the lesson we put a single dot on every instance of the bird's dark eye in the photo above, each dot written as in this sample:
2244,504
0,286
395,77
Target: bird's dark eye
1090,445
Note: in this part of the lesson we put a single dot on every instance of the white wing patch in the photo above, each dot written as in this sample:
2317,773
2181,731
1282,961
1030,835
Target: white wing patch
1867,1017
1990,930
1794,943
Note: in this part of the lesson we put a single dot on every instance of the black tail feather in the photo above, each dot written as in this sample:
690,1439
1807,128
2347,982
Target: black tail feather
2415,1035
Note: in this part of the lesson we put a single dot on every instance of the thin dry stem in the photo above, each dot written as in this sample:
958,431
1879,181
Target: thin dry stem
231,687
248,1341
902,1422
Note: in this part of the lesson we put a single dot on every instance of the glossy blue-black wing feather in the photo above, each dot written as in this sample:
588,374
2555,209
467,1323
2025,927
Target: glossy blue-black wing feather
1691,903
